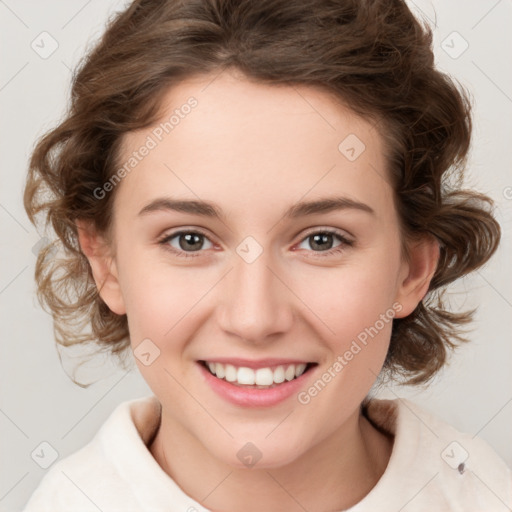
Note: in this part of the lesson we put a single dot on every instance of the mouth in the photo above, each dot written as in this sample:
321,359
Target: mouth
261,377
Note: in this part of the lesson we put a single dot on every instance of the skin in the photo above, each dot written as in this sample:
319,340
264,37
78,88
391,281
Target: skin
255,150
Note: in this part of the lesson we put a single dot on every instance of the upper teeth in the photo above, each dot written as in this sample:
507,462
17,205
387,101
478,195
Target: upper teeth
260,377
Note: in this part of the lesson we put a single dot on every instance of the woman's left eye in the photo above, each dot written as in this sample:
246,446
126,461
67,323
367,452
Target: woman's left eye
323,241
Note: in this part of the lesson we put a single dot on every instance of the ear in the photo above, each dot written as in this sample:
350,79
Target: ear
416,274
103,266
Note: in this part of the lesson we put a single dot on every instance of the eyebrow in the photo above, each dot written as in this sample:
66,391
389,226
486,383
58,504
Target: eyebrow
207,209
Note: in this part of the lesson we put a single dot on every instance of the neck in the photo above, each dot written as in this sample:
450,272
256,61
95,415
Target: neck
336,473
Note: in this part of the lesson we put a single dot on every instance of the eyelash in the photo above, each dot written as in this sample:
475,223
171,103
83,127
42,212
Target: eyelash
345,242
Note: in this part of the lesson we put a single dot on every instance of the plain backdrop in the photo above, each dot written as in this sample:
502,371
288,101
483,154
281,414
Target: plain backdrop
40,404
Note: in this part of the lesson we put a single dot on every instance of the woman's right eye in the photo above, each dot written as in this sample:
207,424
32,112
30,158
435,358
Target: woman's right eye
182,243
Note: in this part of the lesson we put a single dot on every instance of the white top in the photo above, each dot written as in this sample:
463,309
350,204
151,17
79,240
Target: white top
433,467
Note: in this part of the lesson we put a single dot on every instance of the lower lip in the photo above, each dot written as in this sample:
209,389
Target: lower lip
254,397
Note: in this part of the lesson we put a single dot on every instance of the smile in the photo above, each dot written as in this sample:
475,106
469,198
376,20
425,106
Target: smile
259,378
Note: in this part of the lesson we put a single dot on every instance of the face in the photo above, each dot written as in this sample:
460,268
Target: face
252,279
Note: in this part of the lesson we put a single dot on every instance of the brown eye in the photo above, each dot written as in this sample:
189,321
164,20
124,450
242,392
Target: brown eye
321,241
191,241
325,242
183,242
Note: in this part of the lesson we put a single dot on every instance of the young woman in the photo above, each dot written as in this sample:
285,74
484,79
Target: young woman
254,198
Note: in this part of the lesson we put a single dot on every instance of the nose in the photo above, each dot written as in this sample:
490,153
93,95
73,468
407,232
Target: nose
255,304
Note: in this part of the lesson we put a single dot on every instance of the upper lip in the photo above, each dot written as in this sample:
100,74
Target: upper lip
255,363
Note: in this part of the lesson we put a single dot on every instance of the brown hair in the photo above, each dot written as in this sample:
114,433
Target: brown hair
373,55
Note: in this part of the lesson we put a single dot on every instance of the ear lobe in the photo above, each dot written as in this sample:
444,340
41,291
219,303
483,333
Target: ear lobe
103,266
421,267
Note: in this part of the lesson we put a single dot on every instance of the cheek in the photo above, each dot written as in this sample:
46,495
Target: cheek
163,306
358,307
354,307
349,299
159,298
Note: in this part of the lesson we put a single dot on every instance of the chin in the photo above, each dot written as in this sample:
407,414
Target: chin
262,454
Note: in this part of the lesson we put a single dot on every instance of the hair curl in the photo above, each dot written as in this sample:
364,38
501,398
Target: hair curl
373,55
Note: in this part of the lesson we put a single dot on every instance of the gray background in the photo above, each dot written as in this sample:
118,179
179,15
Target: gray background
38,401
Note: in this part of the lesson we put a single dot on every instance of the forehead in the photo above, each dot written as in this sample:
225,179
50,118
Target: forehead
254,145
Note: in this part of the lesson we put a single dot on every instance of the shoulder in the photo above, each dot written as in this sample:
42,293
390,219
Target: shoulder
92,477
432,463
